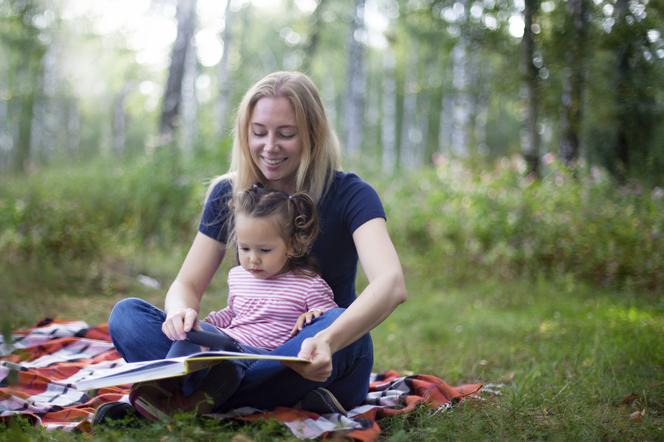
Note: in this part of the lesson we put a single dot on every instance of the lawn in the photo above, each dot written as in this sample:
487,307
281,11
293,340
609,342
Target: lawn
577,362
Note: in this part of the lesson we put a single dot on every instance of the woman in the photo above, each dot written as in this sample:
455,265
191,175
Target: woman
284,141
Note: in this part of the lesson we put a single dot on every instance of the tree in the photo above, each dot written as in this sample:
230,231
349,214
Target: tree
186,22
389,110
531,138
574,80
353,114
24,75
316,28
224,75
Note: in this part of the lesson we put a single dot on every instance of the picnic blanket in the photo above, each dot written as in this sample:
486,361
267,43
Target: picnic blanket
39,367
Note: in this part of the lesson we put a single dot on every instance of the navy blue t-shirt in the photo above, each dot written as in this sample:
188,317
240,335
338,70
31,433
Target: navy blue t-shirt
348,203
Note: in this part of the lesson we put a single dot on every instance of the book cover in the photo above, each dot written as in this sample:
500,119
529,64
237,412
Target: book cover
143,371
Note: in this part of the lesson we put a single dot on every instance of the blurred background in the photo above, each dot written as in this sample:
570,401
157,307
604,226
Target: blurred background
508,140
404,82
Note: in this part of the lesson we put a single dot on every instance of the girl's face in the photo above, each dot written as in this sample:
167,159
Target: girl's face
261,249
275,143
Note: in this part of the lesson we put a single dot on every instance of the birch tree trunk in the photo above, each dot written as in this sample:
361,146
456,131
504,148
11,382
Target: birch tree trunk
353,114
6,141
224,76
329,92
119,125
389,117
446,126
312,45
461,102
574,82
170,112
530,135
411,137
189,101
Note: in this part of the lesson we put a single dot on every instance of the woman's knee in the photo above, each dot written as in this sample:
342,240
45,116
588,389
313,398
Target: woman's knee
125,313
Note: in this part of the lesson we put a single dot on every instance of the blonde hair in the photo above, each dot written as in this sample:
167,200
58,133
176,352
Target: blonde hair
320,147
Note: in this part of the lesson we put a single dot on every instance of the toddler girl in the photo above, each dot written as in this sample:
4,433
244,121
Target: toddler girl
273,294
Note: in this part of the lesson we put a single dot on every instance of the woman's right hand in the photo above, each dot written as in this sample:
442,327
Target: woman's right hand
178,323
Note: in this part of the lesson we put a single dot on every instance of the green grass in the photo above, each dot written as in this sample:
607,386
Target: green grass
567,353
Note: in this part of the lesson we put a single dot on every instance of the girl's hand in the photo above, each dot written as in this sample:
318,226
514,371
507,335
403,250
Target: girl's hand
177,324
317,351
305,318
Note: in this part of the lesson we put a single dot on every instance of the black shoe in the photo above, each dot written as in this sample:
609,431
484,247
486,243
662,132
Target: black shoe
322,401
111,411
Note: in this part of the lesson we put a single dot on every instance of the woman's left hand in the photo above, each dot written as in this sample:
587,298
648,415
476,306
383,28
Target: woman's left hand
319,354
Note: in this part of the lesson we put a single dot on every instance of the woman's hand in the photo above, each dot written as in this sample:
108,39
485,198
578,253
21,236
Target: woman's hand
319,354
305,319
177,324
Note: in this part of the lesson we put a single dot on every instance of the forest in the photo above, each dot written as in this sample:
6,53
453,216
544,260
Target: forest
517,146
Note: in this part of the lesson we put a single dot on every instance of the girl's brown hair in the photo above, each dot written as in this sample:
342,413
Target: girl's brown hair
296,217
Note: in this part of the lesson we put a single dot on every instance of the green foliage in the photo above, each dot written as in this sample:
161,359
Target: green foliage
491,223
497,223
79,212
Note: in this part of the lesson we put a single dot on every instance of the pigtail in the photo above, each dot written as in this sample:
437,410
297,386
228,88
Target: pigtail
304,223
296,214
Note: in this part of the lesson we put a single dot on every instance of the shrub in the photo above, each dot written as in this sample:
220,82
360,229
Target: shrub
498,223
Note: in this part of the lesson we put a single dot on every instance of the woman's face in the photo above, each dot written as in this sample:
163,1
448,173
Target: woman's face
275,143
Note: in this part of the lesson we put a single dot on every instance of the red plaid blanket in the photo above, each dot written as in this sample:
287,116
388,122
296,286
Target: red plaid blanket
40,365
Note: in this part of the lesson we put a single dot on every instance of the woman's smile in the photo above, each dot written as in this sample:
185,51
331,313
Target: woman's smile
274,142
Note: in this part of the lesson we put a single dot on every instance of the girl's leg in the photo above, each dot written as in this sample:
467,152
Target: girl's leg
268,384
135,327
218,382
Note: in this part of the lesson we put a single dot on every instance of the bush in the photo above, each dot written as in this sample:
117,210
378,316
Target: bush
498,223
447,221
83,212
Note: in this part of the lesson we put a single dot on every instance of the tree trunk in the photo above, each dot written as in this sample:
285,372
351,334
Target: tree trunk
224,75
389,117
27,84
461,111
24,135
355,82
186,21
622,84
189,101
411,137
74,127
119,125
530,138
316,27
5,134
574,82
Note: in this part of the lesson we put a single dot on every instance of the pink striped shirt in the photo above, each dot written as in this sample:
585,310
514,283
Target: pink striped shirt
262,312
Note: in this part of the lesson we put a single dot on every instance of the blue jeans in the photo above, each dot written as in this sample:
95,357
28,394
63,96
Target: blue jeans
135,327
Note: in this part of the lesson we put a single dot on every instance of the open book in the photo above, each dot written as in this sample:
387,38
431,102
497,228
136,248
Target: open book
165,368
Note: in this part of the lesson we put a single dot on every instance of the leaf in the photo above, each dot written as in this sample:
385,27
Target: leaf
637,415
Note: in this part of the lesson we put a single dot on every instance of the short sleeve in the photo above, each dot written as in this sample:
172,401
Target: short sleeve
216,213
320,295
362,203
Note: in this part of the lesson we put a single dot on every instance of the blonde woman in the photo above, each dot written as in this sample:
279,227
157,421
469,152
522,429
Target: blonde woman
284,141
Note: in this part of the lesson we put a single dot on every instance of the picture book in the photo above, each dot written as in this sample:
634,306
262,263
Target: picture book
132,372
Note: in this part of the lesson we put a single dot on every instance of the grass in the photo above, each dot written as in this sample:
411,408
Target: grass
576,361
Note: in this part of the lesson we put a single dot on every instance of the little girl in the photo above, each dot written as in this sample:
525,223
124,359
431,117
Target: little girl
273,294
